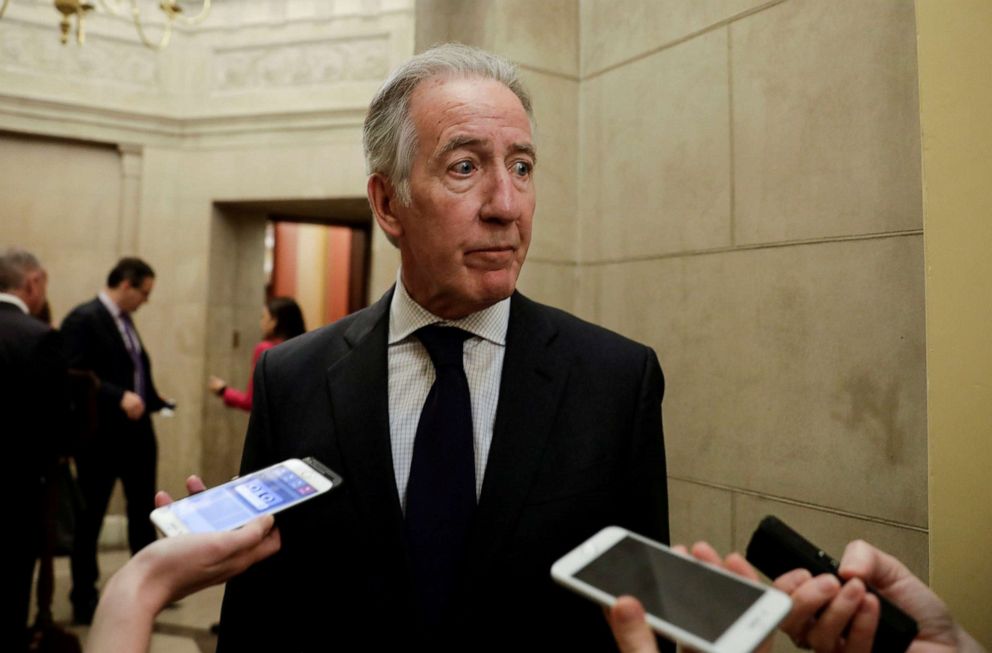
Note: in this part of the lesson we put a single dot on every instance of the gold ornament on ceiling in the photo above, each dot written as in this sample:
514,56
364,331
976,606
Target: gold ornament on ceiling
75,11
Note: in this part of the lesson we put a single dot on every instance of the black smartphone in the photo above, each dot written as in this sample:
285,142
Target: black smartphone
776,549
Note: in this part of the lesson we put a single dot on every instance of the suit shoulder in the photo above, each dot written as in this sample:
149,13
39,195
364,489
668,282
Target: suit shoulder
590,337
83,312
17,324
324,345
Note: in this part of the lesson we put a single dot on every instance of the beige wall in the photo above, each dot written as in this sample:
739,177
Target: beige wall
235,294
956,103
751,208
737,184
61,200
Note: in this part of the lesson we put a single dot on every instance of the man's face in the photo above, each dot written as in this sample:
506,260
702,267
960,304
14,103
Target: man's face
464,236
35,290
133,296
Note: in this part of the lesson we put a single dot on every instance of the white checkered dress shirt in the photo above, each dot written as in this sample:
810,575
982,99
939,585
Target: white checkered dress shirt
411,375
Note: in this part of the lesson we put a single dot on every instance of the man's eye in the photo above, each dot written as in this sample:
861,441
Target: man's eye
522,168
463,167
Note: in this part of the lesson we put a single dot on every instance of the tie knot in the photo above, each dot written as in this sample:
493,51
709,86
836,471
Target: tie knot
443,344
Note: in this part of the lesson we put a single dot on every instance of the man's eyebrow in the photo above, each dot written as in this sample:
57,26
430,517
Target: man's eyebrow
459,142
526,148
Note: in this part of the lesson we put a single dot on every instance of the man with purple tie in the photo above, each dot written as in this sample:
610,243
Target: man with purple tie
101,337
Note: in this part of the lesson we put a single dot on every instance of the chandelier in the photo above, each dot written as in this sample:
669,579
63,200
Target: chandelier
77,10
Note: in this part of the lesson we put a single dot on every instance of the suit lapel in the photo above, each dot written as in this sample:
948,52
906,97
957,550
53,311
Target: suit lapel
359,395
534,374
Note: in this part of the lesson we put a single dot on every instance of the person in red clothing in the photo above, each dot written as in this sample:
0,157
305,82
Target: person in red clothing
282,319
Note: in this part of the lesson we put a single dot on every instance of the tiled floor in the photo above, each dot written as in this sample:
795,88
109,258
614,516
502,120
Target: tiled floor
183,628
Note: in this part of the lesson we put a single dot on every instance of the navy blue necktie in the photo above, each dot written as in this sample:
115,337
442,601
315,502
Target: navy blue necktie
440,495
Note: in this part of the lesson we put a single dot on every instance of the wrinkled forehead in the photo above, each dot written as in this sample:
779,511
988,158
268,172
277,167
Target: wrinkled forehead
447,110
434,93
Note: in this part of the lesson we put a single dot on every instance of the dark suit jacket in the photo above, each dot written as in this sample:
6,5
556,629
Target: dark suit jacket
33,398
93,342
577,446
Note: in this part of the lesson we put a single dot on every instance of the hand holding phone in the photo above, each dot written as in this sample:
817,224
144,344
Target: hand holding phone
629,623
776,549
236,502
695,604
169,569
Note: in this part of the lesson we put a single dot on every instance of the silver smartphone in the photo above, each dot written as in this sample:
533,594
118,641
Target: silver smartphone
237,502
695,604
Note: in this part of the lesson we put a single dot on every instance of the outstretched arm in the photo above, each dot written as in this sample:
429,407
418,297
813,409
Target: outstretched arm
168,570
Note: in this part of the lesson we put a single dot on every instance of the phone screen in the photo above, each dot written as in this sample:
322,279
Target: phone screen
233,504
670,587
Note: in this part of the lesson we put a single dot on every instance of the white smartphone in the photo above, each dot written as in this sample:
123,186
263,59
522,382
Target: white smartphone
237,502
695,604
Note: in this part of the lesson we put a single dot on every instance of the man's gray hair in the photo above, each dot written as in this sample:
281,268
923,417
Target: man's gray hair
15,264
389,136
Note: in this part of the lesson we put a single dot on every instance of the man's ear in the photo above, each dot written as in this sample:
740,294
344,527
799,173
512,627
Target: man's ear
383,200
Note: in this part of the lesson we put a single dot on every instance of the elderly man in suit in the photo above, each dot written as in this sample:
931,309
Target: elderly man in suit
481,435
33,403
100,337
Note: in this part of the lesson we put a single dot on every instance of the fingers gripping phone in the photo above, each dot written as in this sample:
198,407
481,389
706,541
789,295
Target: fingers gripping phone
776,549
237,502
695,604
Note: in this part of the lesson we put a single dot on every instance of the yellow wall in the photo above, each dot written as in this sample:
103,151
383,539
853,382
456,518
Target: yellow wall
955,53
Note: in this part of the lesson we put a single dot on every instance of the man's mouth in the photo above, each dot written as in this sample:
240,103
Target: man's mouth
498,255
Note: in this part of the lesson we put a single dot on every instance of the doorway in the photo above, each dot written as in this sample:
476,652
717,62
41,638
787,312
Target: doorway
316,251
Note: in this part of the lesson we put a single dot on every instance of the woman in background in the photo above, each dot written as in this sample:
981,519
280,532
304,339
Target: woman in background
282,319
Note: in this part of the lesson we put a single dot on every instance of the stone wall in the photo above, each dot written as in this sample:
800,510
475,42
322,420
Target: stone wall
742,192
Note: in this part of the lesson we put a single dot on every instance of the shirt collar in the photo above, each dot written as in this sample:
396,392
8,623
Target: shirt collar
114,309
16,301
406,316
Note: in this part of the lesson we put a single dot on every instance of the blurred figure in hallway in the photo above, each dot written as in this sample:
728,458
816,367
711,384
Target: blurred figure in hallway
282,319
100,337
33,403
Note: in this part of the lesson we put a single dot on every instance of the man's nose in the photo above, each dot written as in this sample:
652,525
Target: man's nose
502,199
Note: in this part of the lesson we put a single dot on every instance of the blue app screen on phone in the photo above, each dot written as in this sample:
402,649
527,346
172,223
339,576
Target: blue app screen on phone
233,504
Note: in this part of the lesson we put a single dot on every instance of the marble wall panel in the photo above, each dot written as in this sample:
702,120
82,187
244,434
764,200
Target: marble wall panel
826,121
61,201
431,20
655,163
537,35
833,531
781,356
700,512
179,375
549,283
383,266
612,33
236,282
330,165
556,220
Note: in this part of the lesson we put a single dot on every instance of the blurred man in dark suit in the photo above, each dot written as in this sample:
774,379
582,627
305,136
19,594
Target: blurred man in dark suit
100,337
33,403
